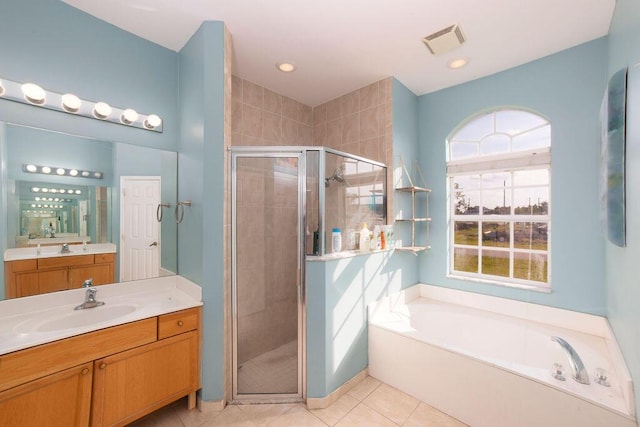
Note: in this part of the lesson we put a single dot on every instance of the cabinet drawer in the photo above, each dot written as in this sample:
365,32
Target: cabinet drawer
102,258
177,323
64,261
22,265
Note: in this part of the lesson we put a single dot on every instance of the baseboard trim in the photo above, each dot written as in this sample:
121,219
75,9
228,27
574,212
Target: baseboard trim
210,405
324,402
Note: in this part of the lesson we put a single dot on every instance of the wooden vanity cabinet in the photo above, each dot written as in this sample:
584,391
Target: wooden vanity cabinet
42,275
60,399
109,377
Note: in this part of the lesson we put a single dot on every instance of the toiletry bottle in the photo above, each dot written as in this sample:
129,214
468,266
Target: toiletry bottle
383,240
316,242
365,238
336,240
38,249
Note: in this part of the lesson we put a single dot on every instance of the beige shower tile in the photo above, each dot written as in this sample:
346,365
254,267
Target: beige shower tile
236,88
320,114
290,108
251,121
351,103
272,102
272,127
305,114
236,116
351,129
334,109
252,94
369,96
320,134
362,415
369,123
369,149
334,133
392,403
289,131
305,135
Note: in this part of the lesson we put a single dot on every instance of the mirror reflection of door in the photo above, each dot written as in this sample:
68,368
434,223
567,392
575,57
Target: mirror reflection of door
82,207
139,228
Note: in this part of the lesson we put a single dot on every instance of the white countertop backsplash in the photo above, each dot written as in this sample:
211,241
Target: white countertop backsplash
20,317
31,252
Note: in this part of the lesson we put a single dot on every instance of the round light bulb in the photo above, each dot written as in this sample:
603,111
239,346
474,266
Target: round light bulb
73,172
71,103
45,190
78,192
68,191
129,116
286,67
85,173
152,122
46,169
53,190
35,189
60,171
33,206
97,175
31,168
102,110
33,93
1,88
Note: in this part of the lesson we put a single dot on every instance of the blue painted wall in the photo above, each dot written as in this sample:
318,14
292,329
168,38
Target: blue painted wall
622,266
201,180
566,88
338,292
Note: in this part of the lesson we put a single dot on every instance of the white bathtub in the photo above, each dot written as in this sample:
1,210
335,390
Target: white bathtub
487,361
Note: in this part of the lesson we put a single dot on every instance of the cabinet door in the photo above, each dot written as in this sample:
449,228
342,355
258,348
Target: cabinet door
61,399
42,281
134,383
102,274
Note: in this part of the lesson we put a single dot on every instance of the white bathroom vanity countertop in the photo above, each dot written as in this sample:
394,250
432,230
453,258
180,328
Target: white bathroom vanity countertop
39,319
15,254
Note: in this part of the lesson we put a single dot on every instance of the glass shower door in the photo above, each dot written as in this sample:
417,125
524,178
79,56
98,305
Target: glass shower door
266,229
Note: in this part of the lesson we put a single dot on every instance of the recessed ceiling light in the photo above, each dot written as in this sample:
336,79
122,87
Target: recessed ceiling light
454,64
286,67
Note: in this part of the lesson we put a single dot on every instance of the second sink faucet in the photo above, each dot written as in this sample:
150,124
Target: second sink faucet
579,371
90,296
65,248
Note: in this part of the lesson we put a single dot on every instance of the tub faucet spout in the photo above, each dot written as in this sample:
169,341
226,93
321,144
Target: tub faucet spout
579,371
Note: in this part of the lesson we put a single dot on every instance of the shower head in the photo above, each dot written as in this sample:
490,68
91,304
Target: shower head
337,176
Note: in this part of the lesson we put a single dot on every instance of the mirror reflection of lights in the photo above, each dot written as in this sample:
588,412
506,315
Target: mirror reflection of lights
46,169
72,172
60,171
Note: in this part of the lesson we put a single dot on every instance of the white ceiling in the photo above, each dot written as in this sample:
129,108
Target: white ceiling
342,45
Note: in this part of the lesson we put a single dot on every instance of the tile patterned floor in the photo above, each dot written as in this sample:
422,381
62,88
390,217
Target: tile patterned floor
275,371
370,403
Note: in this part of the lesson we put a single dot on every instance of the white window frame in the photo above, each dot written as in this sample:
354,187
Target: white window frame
534,159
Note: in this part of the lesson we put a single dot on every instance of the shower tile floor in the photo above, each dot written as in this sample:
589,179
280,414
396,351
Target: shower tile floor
370,403
272,372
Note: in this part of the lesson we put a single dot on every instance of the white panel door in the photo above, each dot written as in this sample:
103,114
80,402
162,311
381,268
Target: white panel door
139,228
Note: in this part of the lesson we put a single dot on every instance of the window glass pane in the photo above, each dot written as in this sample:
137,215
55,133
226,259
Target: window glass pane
496,202
463,150
531,201
495,263
476,129
530,235
465,260
534,139
530,266
496,180
465,233
531,177
467,202
494,144
515,121
467,182
495,234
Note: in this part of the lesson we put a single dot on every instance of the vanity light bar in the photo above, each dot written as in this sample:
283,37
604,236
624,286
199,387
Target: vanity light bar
32,94
46,190
53,170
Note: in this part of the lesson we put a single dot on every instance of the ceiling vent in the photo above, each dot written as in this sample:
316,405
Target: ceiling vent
444,40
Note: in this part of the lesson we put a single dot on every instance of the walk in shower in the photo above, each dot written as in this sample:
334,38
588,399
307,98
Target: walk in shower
285,203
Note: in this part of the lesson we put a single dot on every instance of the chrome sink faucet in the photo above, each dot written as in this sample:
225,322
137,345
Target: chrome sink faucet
90,296
579,371
65,248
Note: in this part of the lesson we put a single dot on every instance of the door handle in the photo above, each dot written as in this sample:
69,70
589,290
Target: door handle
153,244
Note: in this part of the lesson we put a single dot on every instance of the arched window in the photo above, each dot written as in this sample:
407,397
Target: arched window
499,187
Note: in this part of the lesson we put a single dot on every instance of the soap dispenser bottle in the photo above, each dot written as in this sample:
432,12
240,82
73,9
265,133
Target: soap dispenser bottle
365,238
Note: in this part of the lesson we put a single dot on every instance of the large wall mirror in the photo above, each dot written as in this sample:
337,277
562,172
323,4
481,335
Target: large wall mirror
48,208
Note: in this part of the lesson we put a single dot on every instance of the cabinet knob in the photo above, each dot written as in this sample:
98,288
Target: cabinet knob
85,371
180,323
103,365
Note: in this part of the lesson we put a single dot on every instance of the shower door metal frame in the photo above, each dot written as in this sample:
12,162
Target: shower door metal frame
273,153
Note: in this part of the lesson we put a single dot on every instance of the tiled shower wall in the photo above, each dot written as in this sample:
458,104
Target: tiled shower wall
358,123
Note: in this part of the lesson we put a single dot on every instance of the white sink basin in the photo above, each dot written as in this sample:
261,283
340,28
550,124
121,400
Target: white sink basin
71,319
